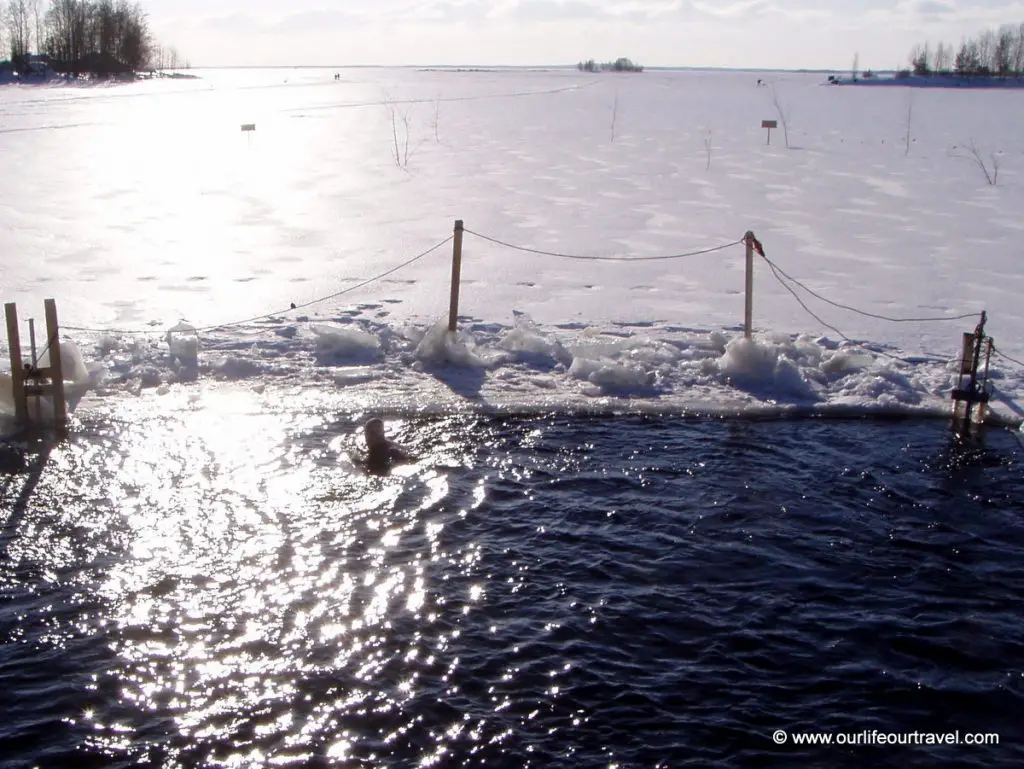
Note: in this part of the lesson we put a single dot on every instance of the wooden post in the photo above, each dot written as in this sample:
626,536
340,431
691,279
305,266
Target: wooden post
967,358
748,311
976,391
32,341
33,388
60,411
453,308
17,366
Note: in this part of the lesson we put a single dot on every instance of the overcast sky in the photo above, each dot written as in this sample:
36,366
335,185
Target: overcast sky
731,33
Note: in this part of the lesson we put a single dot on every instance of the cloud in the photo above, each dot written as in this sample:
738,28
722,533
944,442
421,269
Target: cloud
447,11
757,9
555,10
744,9
304,21
930,9
934,6
585,10
240,24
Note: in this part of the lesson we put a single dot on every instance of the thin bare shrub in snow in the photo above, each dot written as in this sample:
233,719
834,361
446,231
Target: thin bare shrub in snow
989,168
910,117
615,114
437,118
401,133
783,114
396,152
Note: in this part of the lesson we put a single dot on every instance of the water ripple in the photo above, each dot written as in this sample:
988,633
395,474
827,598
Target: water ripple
221,587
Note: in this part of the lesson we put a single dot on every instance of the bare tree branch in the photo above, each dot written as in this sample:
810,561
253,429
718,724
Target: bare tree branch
991,176
782,114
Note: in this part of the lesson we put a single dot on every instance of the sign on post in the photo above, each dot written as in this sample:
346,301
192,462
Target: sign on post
769,124
247,129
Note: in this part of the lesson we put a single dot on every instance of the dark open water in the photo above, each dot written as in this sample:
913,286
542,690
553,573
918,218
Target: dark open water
221,589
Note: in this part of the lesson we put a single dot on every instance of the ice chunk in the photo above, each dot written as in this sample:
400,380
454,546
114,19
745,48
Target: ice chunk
183,344
544,382
234,368
439,345
764,367
337,344
790,380
147,376
652,353
611,376
845,361
106,344
746,359
72,364
527,343
353,376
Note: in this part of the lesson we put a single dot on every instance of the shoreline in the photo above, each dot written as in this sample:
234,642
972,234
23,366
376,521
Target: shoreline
932,81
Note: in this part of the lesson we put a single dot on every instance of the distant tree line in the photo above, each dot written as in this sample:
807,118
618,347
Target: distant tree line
619,65
99,37
993,53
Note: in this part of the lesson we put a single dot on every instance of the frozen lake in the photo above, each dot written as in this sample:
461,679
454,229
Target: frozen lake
140,206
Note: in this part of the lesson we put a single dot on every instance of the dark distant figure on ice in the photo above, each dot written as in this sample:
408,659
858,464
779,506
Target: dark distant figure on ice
381,454
760,82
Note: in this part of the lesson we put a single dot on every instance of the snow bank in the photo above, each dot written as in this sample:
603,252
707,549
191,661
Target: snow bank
525,366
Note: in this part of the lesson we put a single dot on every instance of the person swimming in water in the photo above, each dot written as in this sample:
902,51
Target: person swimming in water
381,454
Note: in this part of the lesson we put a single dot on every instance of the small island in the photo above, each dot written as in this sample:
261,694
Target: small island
619,65
102,40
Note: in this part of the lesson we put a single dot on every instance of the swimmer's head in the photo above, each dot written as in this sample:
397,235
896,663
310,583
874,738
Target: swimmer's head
373,430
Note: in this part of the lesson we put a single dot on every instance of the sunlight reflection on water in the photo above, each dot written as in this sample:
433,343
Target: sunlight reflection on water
256,570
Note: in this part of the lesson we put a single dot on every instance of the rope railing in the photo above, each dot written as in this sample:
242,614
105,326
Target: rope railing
336,294
778,270
787,281
290,308
589,258
782,277
972,395
1002,354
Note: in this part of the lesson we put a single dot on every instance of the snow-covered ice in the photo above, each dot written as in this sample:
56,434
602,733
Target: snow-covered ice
156,224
